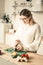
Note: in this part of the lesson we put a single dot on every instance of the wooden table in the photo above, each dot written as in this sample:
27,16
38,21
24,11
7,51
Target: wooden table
35,59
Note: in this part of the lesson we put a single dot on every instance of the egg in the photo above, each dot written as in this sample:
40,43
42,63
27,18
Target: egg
24,59
14,53
19,59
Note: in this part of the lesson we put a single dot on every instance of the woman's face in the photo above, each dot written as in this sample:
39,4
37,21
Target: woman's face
25,19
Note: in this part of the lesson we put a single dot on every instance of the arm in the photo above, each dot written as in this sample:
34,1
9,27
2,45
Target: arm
36,43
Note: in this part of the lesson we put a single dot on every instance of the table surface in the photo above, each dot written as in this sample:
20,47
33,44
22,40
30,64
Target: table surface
35,59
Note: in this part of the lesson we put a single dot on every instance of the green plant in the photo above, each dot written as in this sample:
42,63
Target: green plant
6,18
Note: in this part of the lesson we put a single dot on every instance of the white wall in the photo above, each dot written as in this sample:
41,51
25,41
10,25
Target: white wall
8,7
2,7
1,32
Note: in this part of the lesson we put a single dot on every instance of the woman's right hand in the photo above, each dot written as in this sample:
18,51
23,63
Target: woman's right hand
18,45
17,42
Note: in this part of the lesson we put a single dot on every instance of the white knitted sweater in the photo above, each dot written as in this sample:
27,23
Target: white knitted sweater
29,35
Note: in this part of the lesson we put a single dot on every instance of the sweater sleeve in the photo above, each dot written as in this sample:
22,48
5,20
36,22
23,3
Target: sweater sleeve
36,43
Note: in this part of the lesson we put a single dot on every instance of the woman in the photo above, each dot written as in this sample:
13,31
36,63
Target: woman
29,33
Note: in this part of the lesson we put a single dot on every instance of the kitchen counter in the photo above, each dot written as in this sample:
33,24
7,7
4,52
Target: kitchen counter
35,59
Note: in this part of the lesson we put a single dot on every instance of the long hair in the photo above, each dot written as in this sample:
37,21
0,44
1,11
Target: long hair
26,12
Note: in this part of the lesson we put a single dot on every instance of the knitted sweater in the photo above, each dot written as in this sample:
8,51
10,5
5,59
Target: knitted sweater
29,35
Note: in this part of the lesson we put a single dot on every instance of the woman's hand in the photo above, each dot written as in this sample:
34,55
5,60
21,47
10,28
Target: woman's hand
18,45
17,42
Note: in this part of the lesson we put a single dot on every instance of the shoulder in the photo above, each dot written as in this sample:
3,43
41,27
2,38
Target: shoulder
38,27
